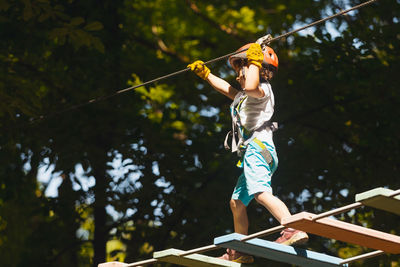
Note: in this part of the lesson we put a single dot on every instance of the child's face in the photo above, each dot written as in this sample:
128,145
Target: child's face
242,74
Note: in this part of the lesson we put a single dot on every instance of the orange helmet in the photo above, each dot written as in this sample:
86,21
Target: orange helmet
270,58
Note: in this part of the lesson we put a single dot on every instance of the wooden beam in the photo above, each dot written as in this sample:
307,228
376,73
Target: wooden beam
112,264
277,252
380,198
193,260
347,232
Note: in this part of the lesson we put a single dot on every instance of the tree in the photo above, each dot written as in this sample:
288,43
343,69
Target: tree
155,156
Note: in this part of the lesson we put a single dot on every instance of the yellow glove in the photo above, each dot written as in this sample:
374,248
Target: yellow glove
200,69
255,55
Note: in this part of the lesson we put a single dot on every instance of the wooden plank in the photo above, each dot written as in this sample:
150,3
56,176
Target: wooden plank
112,264
277,252
343,231
379,198
192,260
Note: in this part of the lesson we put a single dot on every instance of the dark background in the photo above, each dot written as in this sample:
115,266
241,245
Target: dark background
147,169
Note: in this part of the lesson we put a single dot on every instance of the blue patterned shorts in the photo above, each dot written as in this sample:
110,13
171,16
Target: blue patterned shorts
257,173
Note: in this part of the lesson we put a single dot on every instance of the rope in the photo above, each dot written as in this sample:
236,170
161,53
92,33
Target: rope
101,98
324,19
263,233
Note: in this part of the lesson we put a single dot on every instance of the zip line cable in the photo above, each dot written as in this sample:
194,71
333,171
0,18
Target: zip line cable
101,98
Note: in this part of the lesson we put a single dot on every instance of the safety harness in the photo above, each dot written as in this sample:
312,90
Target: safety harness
241,137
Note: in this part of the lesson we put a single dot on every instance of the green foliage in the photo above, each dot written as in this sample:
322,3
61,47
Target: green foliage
78,36
155,156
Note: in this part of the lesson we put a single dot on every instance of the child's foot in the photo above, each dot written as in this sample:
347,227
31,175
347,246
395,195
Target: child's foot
236,256
292,237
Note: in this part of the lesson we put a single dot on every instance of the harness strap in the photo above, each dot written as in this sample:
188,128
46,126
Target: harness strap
234,145
236,129
241,143
264,151
240,136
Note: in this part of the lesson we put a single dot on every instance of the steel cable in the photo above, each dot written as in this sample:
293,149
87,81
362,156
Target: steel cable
97,99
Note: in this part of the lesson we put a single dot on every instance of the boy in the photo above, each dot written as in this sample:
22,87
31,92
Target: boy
251,111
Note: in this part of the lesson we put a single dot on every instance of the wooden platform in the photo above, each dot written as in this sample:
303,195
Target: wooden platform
192,260
379,198
112,264
277,252
343,231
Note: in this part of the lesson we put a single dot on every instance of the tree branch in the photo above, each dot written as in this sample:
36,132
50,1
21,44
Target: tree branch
153,46
223,28
163,47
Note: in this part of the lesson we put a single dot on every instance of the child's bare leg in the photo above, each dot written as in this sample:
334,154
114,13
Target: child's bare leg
241,223
279,210
274,205
240,219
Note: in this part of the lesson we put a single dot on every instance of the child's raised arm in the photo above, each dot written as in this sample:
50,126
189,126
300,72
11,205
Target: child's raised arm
222,86
217,83
255,58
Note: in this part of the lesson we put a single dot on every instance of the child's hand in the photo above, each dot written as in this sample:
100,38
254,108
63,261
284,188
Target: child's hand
200,69
255,55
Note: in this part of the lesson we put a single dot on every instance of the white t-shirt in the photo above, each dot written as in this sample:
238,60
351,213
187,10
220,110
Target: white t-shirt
254,112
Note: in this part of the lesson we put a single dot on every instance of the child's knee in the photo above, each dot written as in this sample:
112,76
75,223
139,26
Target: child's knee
237,206
263,197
